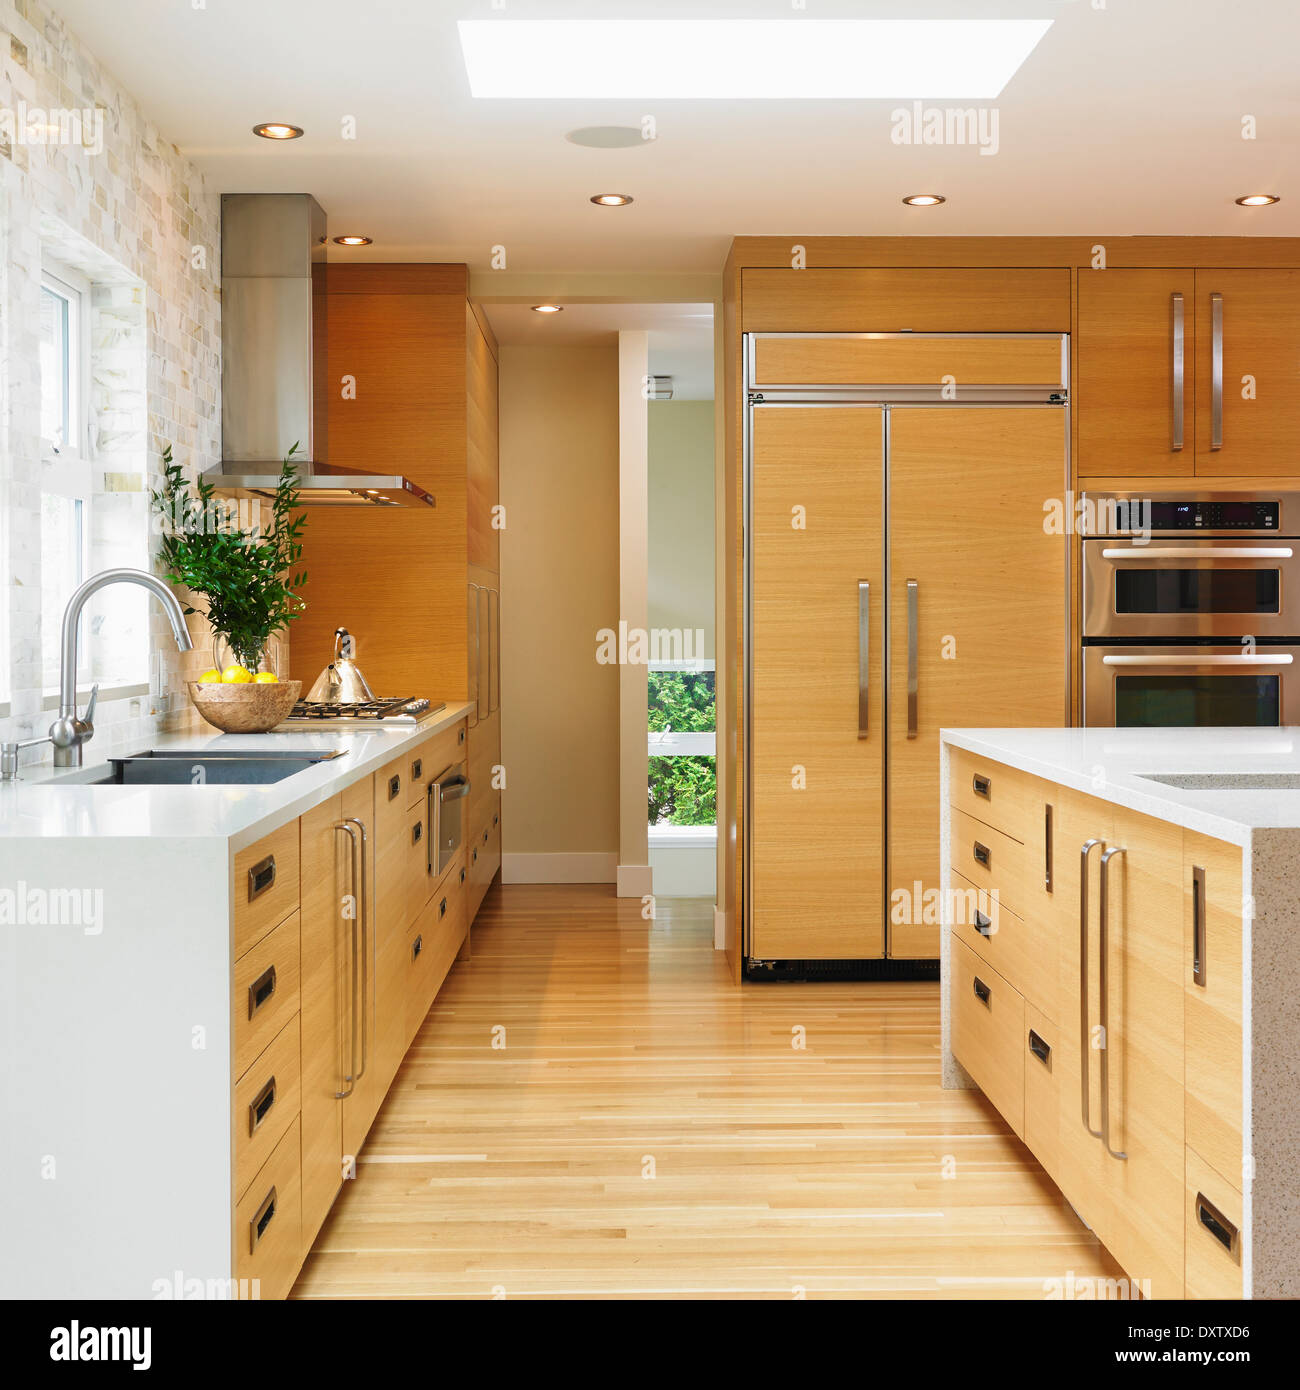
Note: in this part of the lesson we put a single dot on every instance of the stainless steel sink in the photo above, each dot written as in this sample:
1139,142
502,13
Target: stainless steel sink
205,767
1226,781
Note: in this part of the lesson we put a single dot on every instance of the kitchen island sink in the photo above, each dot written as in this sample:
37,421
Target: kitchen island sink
203,767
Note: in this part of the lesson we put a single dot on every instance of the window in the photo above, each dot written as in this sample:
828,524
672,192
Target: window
65,366
683,787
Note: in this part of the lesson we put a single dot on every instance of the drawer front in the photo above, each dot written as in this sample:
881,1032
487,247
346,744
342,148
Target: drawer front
266,990
861,359
988,1021
430,758
268,1099
265,886
268,1221
1042,1096
1212,1022
997,795
1213,1233
1023,953
434,943
992,861
392,798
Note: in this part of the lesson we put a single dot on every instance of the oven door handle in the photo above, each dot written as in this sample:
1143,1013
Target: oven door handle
1191,552
1285,659
455,787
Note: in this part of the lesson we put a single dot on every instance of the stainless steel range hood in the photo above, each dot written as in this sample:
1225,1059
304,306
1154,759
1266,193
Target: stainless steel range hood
274,318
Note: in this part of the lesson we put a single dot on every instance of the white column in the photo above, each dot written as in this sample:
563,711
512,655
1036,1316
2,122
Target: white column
634,877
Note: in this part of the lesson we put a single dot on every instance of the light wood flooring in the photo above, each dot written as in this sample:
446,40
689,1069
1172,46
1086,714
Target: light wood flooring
644,1129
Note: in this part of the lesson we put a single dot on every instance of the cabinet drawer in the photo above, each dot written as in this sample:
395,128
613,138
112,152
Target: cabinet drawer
430,758
988,1022
999,796
265,886
1042,1096
992,861
267,1100
1213,1233
863,359
1022,952
266,989
268,1221
434,943
1212,1024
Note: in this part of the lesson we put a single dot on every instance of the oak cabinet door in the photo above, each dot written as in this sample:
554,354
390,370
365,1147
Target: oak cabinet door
1134,373
977,612
1247,372
817,713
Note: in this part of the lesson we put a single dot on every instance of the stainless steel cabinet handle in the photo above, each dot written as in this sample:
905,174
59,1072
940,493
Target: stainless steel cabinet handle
417,946
368,948
1179,343
494,654
483,618
433,812
1198,925
1216,371
912,597
394,787
261,877
260,1106
1040,1047
982,786
864,653
262,1219
1218,1225
1085,1066
476,652
982,992
983,923
1047,847
983,855
417,769
261,990
1103,988
353,878
442,908
1147,553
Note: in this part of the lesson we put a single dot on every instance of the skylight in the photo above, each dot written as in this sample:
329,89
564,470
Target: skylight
746,59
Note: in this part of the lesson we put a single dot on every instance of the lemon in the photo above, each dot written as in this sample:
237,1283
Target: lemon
236,675
267,678
212,677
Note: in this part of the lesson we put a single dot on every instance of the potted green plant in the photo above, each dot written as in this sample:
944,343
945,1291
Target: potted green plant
248,580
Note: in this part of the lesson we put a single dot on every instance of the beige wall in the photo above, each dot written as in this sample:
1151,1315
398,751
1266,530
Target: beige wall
559,585
682,578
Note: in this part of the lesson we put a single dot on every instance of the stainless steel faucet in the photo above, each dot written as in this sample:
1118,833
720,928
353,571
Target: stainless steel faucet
69,731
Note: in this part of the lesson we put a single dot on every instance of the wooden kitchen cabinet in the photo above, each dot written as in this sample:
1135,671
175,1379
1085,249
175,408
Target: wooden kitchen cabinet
1136,378
1252,314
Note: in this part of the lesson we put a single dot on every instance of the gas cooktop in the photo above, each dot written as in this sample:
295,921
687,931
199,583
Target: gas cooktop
396,712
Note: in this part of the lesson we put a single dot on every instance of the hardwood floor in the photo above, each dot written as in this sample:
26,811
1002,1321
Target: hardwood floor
641,1128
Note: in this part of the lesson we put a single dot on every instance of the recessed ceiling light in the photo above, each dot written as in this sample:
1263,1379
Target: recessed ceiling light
548,308
924,200
278,130
610,137
353,240
1259,200
745,58
612,200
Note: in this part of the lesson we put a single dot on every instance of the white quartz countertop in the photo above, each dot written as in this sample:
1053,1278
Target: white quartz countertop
49,803
1110,763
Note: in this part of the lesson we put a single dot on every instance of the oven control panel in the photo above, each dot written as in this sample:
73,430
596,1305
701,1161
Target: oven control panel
1206,515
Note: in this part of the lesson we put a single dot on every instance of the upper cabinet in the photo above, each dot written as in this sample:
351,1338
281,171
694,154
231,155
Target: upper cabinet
1247,372
1183,372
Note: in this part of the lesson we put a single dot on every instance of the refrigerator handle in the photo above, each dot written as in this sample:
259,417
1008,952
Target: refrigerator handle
1179,347
474,660
912,596
864,654
1216,371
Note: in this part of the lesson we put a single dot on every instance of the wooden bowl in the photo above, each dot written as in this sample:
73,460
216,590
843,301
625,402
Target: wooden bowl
245,709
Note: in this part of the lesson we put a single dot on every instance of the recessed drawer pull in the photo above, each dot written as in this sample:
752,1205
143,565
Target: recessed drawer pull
982,853
1198,926
417,946
394,788
261,990
417,769
462,875
263,1217
442,908
460,736
1040,1047
1218,1225
261,877
983,923
982,992
474,856
485,837
417,832
495,821
981,785
260,1106
1047,847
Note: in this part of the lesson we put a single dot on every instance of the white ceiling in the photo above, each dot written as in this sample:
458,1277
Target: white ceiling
1125,120
681,336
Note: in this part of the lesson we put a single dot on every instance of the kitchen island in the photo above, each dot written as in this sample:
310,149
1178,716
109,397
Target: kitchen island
1120,978
207,991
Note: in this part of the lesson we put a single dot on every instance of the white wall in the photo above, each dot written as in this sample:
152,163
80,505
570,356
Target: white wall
681,517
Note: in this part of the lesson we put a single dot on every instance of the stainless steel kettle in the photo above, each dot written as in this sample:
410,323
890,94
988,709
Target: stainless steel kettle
341,682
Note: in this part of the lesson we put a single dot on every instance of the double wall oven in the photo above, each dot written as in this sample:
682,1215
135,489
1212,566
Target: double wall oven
1191,609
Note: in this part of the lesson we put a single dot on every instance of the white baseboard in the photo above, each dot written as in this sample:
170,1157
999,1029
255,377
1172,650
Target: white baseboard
635,880
719,929
559,868
684,871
